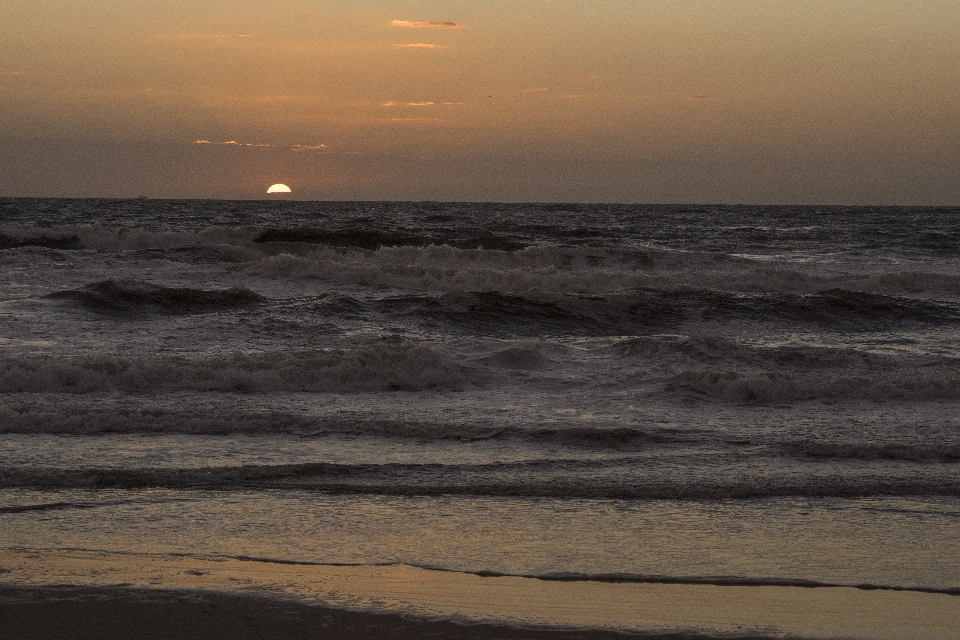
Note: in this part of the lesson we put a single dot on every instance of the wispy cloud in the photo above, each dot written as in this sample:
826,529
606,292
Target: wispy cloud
14,73
423,45
420,104
537,90
208,37
698,97
412,24
234,143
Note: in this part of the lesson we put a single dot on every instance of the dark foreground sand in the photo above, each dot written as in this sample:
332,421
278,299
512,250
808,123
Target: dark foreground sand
85,613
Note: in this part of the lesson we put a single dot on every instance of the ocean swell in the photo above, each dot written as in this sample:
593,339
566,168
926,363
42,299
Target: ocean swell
774,387
120,296
83,419
564,479
905,451
407,367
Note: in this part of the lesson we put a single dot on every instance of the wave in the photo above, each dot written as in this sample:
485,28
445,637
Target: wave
49,506
585,270
86,420
46,242
469,260
371,239
121,296
713,349
533,314
447,268
355,237
559,479
833,307
771,387
645,310
720,581
905,451
521,358
405,367
40,418
78,237
609,578
59,506
616,437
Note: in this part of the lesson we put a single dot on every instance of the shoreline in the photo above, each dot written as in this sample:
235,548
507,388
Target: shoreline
89,613
110,585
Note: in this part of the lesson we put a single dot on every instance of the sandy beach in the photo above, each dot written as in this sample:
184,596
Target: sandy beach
108,595
84,613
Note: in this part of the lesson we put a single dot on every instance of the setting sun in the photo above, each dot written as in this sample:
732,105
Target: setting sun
278,188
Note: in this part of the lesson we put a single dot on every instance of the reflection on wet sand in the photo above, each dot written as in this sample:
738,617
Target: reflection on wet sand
733,610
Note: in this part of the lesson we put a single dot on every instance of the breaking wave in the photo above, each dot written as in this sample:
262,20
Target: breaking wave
644,310
485,262
518,358
61,242
132,297
713,349
534,313
599,270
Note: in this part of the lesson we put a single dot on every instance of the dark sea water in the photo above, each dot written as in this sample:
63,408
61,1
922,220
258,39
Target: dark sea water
722,394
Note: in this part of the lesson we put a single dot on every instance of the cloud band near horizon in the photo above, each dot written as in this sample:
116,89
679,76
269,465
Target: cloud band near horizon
413,24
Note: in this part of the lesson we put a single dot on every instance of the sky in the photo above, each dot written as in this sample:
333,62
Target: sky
645,101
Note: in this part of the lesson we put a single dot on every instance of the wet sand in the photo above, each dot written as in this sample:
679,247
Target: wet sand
122,595
74,613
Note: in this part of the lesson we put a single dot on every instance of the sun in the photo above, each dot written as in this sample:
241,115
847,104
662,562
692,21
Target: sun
278,188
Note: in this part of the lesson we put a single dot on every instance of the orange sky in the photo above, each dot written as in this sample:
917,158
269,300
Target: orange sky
800,101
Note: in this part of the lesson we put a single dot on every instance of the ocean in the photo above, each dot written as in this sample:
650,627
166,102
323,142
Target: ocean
598,394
